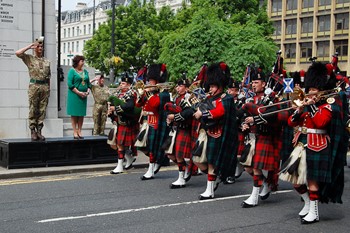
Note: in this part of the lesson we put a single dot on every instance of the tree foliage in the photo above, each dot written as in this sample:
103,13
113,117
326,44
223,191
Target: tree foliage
138,30
208,39
236,32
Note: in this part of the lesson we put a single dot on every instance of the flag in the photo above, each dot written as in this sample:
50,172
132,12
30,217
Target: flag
288,85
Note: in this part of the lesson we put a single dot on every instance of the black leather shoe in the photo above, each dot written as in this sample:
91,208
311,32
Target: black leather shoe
200,197
229,180
188,177
239,175
75,137
114,173
265,196
146,178
80,137
174,186
217,184
303,221
245,205
156,171
131,165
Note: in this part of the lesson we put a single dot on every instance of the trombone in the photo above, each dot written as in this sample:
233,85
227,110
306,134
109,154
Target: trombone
297,98
140,85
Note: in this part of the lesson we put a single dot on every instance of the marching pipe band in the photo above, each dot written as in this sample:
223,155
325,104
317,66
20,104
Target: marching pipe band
252,128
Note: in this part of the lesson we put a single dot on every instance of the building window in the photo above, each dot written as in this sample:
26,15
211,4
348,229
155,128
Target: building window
342,21
64,33
278,27
306,25
77,50
89,31
292,5
276,5
343,1
68,48
324,2
64,47
308,3
324,23
84,29
291,26
306,50
341,46
322,49
290,50
78,32
72,46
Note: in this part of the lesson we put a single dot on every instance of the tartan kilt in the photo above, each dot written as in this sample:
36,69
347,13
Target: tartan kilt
316,162
213,148
183,144
151,140
267,152
126,135
240,142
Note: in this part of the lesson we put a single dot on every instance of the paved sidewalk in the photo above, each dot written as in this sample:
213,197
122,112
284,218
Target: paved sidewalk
141,162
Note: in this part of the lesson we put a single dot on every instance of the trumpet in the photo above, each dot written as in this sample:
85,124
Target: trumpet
140,86
298,97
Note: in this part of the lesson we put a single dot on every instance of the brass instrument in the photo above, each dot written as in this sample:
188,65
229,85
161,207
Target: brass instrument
297,100
140,86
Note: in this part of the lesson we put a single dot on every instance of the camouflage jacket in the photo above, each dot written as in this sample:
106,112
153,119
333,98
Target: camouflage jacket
100,94
38,67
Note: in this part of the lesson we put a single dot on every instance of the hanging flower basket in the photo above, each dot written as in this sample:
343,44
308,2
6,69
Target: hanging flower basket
114,61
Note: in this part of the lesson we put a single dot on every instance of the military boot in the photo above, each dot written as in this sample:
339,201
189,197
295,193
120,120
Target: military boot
34,135
40,136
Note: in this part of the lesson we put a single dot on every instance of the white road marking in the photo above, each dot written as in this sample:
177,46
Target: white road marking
148,208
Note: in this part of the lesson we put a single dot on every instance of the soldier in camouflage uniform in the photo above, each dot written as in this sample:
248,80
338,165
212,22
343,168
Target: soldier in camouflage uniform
39,86
100,93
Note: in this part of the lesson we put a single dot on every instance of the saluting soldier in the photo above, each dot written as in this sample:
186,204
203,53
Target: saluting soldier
39,86
100,92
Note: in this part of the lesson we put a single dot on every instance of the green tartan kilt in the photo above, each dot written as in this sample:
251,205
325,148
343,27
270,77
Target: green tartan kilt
213,148
151,140
317,163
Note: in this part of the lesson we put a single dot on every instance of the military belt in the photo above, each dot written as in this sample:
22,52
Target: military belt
39,81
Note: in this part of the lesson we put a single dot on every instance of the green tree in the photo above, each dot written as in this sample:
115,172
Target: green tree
209,39
138,29
202,40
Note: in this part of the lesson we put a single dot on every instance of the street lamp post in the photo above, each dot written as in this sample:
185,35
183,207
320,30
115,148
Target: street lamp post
113,27
113,38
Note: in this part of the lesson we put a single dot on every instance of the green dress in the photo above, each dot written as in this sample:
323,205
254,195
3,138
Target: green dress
76,106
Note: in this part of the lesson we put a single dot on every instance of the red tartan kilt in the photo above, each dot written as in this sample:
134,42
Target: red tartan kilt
183,144
240,142
267,153
126,135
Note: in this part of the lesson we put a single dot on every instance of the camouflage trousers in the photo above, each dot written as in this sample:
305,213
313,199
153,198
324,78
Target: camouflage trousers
99,115
38,96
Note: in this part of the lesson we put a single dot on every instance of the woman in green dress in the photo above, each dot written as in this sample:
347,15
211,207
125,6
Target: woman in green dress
78,90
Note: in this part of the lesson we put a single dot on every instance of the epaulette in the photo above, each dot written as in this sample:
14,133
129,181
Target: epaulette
223,95
328,106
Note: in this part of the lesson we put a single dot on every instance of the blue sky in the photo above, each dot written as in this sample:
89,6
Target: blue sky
70,4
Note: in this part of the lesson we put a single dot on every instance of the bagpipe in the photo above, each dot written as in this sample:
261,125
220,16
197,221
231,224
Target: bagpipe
118,102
